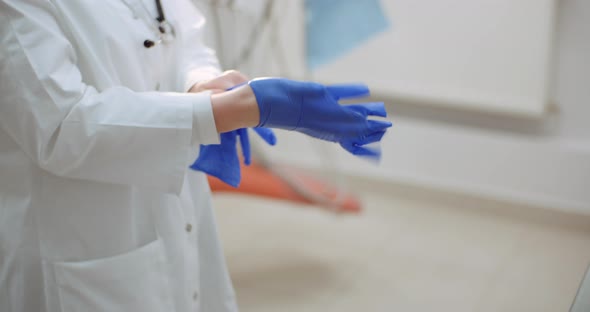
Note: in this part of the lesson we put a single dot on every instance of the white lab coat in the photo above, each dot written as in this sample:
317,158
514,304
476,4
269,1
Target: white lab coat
98,211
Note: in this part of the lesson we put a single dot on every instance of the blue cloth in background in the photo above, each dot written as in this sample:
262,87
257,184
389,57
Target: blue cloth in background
334,27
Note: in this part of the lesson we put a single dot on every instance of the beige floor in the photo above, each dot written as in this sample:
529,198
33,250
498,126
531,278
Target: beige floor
405,253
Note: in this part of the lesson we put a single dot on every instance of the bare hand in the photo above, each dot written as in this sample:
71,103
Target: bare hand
234,109
220,83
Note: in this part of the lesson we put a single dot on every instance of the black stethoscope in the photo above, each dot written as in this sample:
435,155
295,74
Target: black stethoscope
165,30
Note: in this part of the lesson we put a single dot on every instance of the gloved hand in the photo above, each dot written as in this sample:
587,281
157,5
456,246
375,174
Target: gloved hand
313,109
356,146
221,160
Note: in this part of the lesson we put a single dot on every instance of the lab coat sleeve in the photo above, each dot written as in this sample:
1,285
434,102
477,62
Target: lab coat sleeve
199,62
69,128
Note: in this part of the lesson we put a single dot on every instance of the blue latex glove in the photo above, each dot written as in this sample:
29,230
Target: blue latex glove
313,109
221,160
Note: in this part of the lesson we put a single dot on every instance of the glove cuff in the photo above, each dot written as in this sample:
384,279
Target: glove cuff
271,92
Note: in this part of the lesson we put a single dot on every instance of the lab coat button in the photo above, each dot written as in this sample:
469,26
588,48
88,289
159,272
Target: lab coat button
188,227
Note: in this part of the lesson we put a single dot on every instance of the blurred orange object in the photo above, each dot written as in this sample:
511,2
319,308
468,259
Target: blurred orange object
288,184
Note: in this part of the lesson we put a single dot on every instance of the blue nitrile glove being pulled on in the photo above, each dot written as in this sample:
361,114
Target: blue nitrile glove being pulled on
221,160
313,109
306,107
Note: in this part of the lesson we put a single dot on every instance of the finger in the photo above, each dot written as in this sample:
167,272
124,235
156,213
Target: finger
235,86
235,76
369,109
378,125
344,91
372,138
203,88
373,153
227,80
217,91
267,135
232,79
245,143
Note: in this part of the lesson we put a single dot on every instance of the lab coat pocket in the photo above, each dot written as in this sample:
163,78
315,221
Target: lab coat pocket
134,281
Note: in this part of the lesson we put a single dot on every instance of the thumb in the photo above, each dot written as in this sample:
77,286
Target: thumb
216,91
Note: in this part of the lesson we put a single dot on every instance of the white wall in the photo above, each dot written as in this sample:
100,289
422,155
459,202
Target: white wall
540,162
476,55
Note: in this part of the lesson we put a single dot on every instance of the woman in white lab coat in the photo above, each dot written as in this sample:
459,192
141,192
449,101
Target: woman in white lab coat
98,211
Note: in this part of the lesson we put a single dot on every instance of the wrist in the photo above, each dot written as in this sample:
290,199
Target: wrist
235,109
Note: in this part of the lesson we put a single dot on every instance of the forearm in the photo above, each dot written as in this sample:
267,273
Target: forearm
235,109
